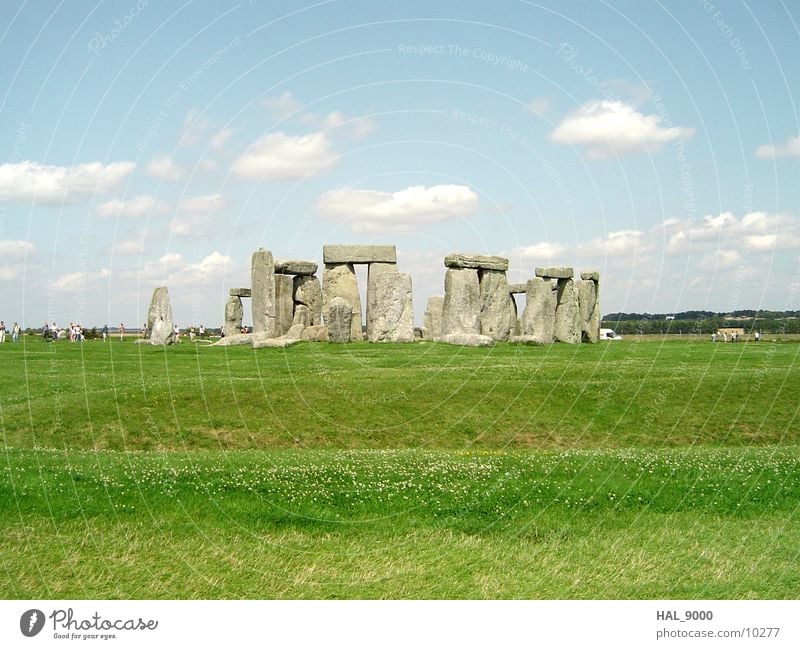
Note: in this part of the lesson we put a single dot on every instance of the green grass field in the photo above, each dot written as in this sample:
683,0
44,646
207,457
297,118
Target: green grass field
657,469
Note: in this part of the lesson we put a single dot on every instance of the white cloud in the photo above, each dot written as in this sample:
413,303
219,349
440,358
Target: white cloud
206,204
541,106
173,270
606,128
621,243
81,281
52,185
194,128
132,208
164,168
280,156
195,215
283,105
15,250
221,138
544,250
371,211
720,260
789,149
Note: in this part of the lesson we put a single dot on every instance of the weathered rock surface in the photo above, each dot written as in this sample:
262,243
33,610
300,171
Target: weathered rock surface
462,302
339,280
515,289
374,270
338,319
468,340
498,313
568,320
307,291
554,272
235,339
295,267
241,292
262,286
539,316
295,332
260,342
392,315
159,318
590,274
358,254
481,262
433,317
315,333
284,303
524,340
302,316
589,308
234,312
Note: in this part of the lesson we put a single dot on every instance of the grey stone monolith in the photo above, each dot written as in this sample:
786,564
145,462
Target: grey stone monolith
296,267
159,318
241,292
539,316
462,302
284,304
302,316
337,254
307,291
315,333
497,306
375,270
568,318
392,314
234,313
554,272
262,286
468,340
339,280
433,318
479,262
338,320
589,303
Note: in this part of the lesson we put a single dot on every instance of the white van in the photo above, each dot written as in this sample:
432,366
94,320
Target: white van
609,334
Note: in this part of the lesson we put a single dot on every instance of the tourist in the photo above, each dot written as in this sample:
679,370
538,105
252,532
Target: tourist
105,333
714,337
191,334
54,332
144,330
177,332
2,331
121,332
15,331
202,332
758,336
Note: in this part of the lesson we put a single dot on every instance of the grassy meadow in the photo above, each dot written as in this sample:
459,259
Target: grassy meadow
661,468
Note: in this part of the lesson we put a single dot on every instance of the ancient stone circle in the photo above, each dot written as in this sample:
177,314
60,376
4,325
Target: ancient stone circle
478,308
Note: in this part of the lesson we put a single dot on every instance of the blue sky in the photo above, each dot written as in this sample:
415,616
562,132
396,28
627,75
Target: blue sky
150,143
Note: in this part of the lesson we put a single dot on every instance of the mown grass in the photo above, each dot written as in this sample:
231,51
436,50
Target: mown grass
627,470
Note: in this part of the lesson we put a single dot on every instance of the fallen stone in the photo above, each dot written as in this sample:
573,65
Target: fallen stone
338,319
461,307
260,342
160,325
524,340
241,292
234,312
336,254
480,262
555,272
234,339
515,289
308,291
294,267
467,340
315,333
568,321
498,312
392,315
340,281
284,304
590,274
539,316
433,317
295,332
262,283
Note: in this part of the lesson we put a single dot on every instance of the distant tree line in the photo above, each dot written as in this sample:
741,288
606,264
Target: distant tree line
703,322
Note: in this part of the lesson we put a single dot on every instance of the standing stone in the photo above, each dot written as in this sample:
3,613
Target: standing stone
339,280
338,318
433,317
539,316
262,286
234,312
498,313
392,315
589,301
307,291
302,316
284,304
568,319
462,302
159,318
374,270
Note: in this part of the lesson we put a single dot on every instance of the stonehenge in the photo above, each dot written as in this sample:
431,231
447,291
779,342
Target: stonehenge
159,318
289,304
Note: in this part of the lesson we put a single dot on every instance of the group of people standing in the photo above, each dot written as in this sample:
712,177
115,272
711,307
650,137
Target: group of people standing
732,337
15,332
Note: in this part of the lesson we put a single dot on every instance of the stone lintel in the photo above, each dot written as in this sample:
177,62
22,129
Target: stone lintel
480,262
340,254
555,272
241,292
591,274
517,288
295,267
